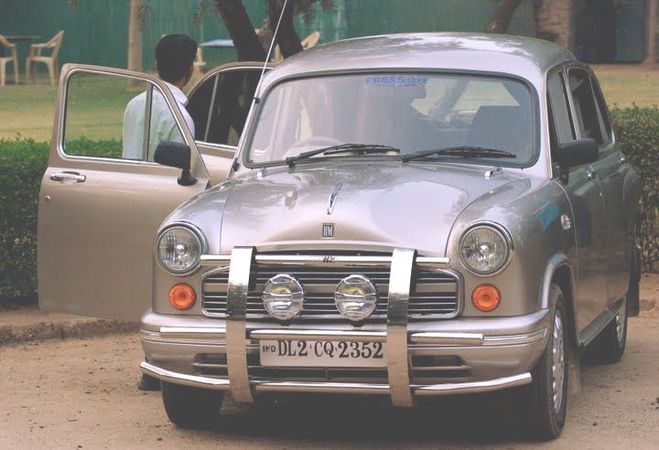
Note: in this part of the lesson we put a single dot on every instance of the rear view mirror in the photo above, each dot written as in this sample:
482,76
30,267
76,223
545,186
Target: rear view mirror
576,153
176,154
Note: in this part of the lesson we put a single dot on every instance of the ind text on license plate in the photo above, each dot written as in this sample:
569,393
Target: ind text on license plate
312,353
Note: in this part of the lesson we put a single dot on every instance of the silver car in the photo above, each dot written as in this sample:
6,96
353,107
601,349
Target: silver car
408,216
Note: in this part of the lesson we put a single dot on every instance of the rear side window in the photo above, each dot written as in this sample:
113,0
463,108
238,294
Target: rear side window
232,101
587,114
559,108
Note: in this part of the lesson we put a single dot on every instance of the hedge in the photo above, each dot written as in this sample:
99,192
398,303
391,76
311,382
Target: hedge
23,162
637,130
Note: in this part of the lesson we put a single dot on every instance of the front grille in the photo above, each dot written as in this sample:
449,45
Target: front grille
434,292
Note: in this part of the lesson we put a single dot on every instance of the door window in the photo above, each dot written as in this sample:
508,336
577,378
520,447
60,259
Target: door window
118,118
587,114
231,103
199,107
560,112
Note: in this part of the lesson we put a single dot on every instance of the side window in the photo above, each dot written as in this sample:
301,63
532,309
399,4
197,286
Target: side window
199,107
233,98
110,116
603,110
559,110
587,114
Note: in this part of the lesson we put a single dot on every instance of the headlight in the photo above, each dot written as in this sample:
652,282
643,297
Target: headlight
178,249
484,249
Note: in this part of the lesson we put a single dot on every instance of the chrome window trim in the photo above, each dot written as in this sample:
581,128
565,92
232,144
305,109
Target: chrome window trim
62,108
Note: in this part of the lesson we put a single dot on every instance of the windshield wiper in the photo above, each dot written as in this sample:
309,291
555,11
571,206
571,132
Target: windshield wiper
356,149
465,151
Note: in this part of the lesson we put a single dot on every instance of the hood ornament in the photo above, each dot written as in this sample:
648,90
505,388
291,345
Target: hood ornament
332,198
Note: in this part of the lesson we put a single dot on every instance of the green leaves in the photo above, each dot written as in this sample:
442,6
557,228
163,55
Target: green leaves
637,130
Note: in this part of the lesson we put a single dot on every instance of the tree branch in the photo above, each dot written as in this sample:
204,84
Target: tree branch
501,17
287,37
241,30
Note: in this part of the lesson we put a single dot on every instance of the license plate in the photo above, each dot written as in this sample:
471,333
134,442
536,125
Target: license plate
312,353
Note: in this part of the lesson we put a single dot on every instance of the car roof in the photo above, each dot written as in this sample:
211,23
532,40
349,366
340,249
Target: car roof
520,56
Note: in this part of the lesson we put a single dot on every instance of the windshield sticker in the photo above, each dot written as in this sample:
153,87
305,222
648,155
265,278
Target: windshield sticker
396,80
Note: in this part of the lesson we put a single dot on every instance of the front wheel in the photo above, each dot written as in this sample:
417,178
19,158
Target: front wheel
546,397
190,407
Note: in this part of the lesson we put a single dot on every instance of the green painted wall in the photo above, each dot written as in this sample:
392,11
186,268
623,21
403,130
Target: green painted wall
96,31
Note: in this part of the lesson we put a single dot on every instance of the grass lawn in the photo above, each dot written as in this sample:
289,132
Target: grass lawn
27,109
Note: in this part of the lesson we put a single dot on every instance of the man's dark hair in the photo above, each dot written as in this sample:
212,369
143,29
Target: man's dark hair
175,53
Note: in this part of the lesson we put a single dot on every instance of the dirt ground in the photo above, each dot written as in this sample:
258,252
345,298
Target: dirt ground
81,393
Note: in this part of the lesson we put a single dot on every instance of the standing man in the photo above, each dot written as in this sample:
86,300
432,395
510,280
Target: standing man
175,54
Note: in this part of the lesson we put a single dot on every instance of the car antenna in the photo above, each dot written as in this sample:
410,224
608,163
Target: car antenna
267,57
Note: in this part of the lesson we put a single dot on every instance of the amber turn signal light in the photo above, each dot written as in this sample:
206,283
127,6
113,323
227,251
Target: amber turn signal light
182,296
486,298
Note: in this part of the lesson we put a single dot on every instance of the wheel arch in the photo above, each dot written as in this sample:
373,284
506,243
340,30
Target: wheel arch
560,272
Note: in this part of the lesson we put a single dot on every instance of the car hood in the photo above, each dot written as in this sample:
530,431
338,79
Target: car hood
378,206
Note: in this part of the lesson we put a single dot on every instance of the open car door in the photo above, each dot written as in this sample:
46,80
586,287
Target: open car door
219,104
103,197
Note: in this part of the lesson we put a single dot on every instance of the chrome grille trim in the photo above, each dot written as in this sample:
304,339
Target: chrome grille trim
437,292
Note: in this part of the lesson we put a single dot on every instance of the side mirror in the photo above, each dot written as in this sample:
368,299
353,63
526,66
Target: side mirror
576,153
176,154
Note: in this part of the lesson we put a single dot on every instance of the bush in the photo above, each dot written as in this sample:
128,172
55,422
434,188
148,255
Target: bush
23,162
637,130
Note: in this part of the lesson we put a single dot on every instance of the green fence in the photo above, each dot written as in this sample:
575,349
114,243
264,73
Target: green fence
96,31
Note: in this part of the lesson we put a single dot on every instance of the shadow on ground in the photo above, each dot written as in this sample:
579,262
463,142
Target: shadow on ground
467,419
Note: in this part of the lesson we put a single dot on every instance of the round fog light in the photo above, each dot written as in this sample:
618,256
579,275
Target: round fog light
355,297
283,297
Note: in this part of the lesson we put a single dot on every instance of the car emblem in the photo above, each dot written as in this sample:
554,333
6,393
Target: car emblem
332,198
328,230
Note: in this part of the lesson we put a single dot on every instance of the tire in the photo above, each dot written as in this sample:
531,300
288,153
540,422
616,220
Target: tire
546,397
610,345
190,407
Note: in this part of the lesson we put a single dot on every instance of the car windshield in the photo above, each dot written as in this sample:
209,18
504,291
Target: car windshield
410,113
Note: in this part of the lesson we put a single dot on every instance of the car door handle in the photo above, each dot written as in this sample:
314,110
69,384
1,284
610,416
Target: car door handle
591,174
62,176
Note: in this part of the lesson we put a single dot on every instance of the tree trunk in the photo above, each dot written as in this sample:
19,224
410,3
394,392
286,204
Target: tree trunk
135,35
501,18
241,30
651,56
287,37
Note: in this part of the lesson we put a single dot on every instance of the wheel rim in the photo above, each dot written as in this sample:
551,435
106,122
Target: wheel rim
620,323
558,363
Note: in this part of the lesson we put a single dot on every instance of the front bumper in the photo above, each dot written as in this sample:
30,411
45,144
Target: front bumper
430,357
478,355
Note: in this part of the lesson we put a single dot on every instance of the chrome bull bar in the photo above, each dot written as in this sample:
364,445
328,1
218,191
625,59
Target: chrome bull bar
399,387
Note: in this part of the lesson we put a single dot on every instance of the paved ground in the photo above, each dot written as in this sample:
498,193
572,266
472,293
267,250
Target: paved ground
81,393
